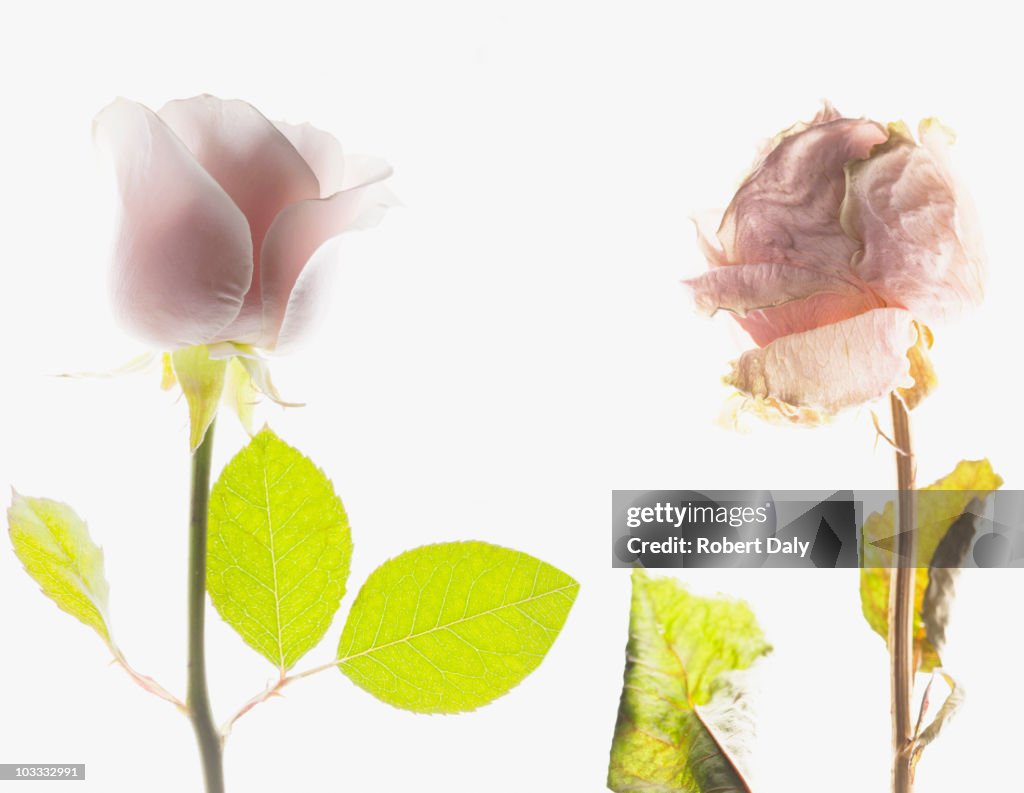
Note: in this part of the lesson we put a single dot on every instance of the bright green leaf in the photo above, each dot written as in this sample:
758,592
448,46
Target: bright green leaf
54,545
202,381
935,514
279,549
684,719
450,627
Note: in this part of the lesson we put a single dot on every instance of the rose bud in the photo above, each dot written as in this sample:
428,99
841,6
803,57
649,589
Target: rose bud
224,216
222,241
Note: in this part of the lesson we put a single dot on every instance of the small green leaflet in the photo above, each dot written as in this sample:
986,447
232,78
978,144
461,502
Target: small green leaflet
684,717
447,628
54,545
279,549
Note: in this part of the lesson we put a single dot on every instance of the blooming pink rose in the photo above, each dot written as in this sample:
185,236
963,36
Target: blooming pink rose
844,242
224,216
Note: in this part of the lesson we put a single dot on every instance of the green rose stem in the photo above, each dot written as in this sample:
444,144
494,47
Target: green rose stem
901,605
198,698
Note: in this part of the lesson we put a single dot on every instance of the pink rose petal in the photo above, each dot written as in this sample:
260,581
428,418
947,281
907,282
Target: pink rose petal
255,164
787,211
321,151
825,308
833,367
298,234
183,256
746,287
706,224
920,247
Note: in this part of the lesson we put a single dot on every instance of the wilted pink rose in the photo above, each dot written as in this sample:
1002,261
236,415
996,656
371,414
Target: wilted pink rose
846,240
224,216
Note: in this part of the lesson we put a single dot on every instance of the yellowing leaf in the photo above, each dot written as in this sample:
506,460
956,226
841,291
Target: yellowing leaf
279,549
942,574
684,718
202,381
54,545
450,627
935,514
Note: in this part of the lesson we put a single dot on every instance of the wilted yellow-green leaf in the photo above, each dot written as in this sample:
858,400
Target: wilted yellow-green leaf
684,719
953,702
935,514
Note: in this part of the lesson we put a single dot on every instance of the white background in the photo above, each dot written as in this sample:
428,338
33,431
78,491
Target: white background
501,353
